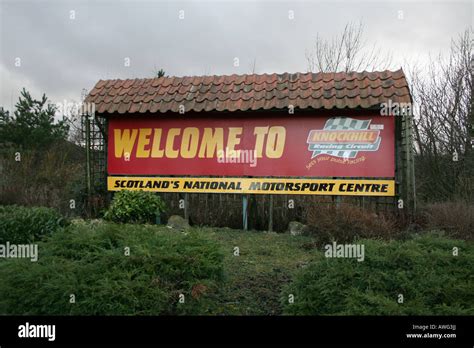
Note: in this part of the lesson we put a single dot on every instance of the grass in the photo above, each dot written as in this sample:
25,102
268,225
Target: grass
268,265
254,279
92,263
271,263
422,269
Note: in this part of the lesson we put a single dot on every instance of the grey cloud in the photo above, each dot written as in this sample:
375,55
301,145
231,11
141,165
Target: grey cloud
61,56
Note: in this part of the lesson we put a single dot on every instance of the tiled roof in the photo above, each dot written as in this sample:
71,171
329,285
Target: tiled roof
250,92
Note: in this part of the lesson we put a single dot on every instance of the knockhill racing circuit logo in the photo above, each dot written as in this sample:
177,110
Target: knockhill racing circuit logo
344,137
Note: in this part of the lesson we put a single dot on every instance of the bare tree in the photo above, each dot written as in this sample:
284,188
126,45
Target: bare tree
346,52
443,125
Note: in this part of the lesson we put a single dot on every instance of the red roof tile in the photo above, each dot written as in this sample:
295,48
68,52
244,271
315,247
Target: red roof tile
250,92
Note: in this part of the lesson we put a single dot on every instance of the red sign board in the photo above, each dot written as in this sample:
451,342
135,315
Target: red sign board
330,146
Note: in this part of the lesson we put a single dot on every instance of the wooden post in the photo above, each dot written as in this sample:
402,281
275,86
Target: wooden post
408,170
186,206
411,165
338,201
245,216
270,214
88,162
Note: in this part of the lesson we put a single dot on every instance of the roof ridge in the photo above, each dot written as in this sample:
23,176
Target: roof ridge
299,73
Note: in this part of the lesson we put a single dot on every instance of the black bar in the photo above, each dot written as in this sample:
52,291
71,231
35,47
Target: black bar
225,330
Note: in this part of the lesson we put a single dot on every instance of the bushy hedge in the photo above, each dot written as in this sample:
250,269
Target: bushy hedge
91,263
57,174
135,207
346,222
20,225
424,270
455,218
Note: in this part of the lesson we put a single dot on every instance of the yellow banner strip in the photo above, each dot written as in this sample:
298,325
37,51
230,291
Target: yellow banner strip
342,187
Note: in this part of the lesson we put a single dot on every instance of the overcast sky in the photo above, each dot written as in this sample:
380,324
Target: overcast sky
61,47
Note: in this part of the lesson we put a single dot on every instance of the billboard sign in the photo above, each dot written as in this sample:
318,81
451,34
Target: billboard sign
335,146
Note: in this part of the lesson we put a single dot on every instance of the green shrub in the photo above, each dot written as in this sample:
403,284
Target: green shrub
19,225
90,262
134,207
327,223
424,270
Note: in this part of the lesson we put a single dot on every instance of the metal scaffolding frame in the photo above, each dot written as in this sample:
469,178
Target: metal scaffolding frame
94,133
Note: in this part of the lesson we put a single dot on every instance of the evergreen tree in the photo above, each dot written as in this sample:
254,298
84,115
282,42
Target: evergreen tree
32,125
